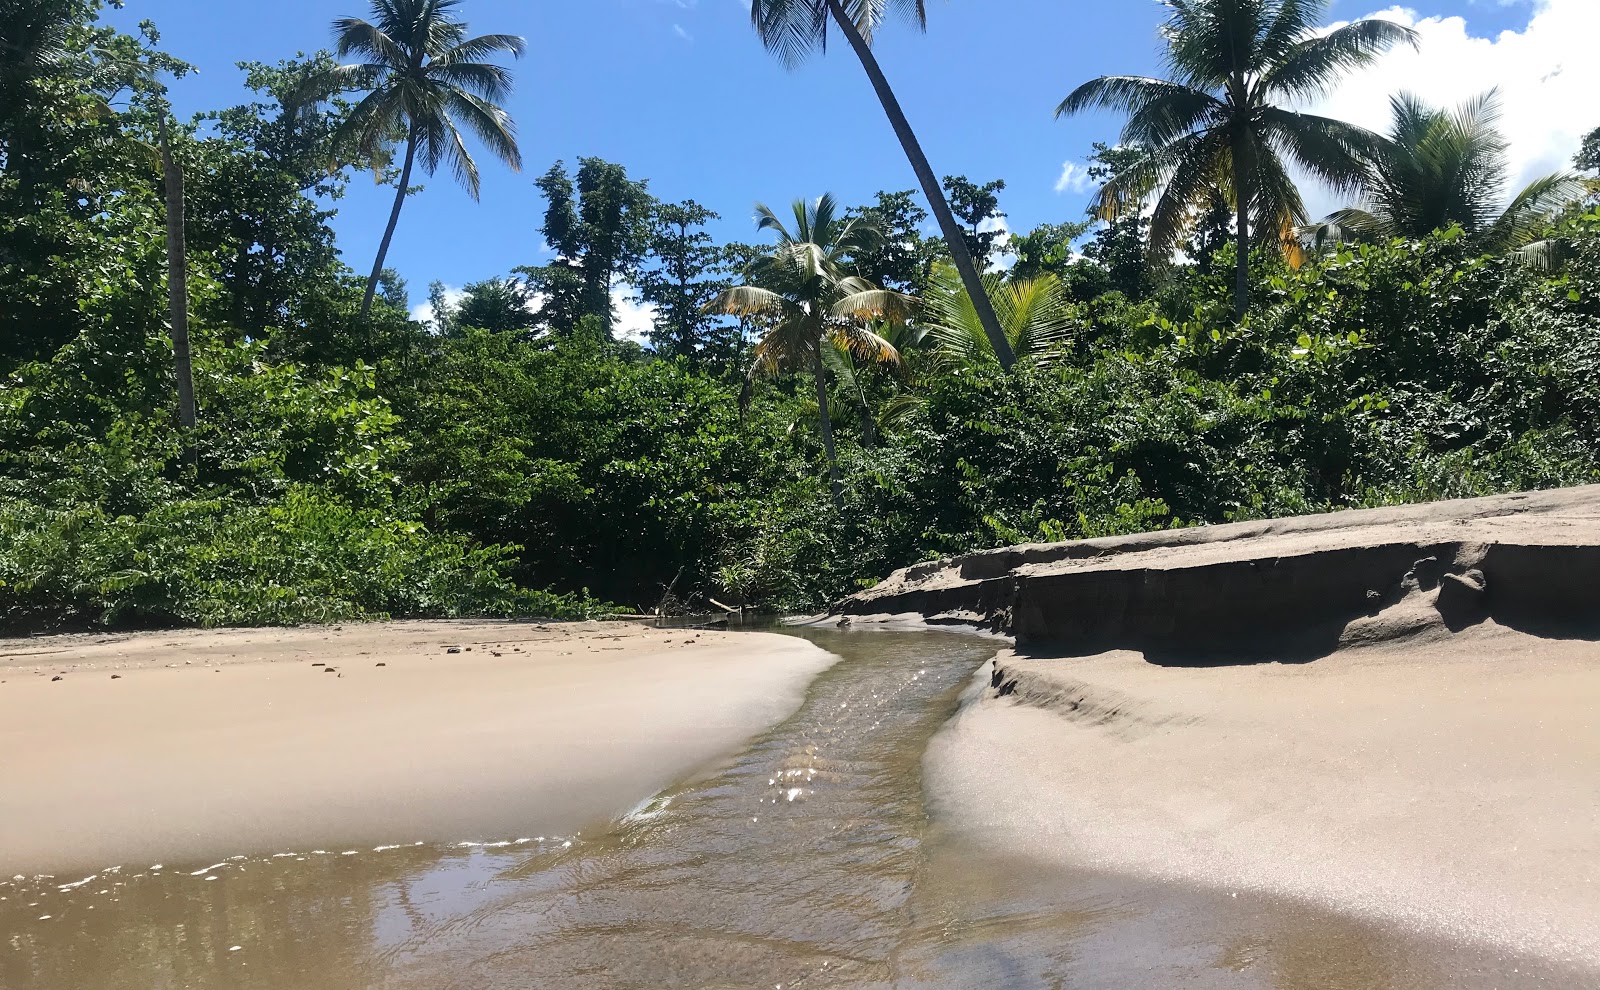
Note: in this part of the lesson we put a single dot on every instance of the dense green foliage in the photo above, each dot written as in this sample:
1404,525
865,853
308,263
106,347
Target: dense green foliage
348,467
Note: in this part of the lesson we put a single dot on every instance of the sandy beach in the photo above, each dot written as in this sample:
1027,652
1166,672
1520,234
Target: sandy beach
180,746
1448,785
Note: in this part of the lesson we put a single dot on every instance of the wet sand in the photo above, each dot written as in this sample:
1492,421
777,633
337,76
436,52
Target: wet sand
1447,785
192,746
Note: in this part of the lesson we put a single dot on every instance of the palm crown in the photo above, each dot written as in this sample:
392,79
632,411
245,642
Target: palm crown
1221,120
1444,168
803,293
426,79
794,29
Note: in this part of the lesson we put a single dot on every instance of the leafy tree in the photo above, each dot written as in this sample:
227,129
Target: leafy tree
599,228
1210,232
1036,313
1122,242
256,183
686,276
443,310
1588,158
1441,169
977,207
804,293
499,305
793,29
425,80
904,258
393,291
1046,248
1219,120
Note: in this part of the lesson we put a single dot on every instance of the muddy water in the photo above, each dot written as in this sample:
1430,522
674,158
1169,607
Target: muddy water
806,861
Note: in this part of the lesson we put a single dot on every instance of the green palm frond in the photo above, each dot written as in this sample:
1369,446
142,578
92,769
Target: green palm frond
1216,123
795,29
1530,212
1311,68
1439,169
425,77
1036,315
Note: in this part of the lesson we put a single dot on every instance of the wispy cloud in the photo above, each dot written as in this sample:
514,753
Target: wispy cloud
678,29
1074,178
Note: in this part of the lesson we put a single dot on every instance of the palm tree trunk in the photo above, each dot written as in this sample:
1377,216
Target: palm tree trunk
1241,195
971,278
177,280
826,424
394,220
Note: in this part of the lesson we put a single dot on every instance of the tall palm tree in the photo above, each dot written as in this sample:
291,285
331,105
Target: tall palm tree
177,275
793,29
1035,313
805,297
426,79
1219,123
1440,169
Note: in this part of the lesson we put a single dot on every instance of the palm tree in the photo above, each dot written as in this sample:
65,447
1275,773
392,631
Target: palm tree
1218,122
426,79
1441,169
1035,314
804,295
177,276
793,29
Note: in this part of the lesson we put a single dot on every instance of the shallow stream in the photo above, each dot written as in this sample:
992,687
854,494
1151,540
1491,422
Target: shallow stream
807,860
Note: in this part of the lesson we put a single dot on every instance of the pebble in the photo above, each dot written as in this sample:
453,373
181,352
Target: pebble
383,665
56,678
453,649
116,677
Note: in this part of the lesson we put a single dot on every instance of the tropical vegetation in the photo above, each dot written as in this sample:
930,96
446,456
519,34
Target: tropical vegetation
807,411
1441,169
1223,121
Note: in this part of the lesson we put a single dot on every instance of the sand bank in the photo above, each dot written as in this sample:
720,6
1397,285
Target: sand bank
184,746
1448,783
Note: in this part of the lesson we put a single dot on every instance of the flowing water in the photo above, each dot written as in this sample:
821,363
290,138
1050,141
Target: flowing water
805,861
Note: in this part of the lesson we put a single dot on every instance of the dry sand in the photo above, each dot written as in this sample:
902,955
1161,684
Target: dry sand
183,746
1448,783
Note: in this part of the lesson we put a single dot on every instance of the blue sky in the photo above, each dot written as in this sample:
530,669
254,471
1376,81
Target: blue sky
681,92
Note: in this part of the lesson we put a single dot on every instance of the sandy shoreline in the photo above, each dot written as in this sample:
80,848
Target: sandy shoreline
1449,785
188,745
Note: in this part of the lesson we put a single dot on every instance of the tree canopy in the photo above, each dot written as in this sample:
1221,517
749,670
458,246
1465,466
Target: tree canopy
805,413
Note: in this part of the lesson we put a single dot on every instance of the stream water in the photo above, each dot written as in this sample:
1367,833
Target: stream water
805,861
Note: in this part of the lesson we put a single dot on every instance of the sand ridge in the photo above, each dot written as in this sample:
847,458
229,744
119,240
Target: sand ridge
187,745
1446,784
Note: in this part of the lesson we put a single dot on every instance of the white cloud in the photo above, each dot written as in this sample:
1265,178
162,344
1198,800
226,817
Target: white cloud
1002,257
423,311
679,30
1547,73
633,319
1074,178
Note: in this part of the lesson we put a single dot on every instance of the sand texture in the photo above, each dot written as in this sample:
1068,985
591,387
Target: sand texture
1392,713
195,745
1452,785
